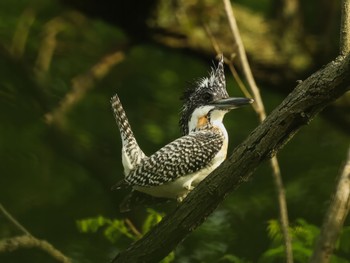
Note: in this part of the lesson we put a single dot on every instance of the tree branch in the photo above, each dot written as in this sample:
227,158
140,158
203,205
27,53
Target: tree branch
334,219
300,106
28,241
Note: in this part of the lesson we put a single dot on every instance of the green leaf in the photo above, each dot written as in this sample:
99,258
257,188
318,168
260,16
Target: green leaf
305,232
301,252
91,225
152,219
274,231
272,255
169,258
114,229
112,232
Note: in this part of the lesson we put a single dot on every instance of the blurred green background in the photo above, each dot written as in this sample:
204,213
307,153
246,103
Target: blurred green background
61,61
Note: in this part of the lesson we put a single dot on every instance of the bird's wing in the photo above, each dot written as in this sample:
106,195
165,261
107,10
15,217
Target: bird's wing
186,155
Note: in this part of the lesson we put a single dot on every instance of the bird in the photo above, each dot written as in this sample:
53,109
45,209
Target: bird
175,169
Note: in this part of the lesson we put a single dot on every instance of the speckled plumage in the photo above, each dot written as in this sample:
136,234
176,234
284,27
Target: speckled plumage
174,170
183,156
131,152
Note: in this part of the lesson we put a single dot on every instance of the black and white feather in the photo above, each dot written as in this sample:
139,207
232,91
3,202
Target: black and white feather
183,156
131,151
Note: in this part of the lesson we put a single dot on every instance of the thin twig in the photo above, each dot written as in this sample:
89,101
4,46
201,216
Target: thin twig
13,220
260,110
28,240
345,28
228,62
133,228
239,81
334,219
81,84
243,60
212,39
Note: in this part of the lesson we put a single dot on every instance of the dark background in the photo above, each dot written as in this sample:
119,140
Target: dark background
58,162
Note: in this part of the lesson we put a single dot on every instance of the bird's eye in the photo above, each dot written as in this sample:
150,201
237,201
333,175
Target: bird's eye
207,96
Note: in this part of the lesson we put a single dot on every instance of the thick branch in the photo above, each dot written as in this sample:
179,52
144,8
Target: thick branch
308,99
334,219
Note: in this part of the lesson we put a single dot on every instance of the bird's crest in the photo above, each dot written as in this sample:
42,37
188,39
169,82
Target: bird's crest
201,92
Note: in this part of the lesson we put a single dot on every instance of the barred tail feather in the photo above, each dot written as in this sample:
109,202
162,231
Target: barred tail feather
131,152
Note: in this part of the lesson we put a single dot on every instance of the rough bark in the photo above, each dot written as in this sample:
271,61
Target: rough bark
299,107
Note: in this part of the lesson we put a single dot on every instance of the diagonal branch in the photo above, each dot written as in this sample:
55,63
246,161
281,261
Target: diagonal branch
300,106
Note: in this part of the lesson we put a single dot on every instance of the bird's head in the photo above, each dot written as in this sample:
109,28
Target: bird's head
207,95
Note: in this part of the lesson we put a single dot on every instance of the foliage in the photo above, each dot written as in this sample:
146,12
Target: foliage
114,229
303,239
151,220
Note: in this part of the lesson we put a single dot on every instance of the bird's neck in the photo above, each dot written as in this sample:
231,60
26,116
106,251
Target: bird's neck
204,119
216,121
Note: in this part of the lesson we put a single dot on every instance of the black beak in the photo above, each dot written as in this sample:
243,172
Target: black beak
231,103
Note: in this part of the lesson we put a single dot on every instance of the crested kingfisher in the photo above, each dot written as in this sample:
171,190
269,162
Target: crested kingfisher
174,170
